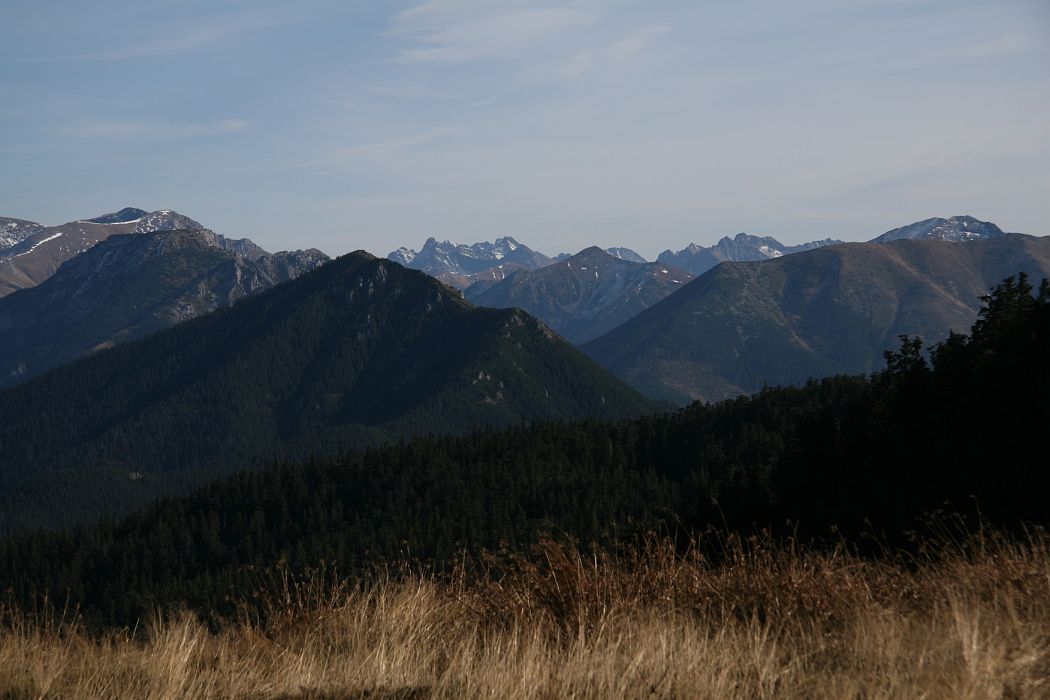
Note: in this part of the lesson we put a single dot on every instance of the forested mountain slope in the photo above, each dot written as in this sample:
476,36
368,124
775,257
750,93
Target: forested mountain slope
831,310
356,352
862,454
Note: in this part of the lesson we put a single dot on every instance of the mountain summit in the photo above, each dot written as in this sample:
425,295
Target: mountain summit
957,229
121,217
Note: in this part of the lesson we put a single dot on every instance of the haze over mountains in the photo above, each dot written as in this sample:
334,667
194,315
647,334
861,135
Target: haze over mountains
585,295
743,247
143,280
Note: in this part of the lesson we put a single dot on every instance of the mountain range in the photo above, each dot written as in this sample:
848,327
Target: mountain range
585,295
831,310
354,353
130,285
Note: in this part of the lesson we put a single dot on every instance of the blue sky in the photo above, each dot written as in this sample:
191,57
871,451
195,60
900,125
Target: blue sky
344,125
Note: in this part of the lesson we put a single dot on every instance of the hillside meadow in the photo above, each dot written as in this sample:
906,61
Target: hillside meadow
746,618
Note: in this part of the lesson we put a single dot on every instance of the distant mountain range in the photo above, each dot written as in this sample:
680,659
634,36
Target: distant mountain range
742,247
353,353
42,249
460,265
835,309
585,295
130,285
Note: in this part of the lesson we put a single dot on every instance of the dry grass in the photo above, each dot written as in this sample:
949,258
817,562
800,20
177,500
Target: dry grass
764,622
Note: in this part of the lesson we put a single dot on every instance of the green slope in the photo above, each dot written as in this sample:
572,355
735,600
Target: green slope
835,309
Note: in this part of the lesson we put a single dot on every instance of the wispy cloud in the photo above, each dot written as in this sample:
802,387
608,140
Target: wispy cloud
577,64
152,131
457,31
630,47
999,46
377,149
174,39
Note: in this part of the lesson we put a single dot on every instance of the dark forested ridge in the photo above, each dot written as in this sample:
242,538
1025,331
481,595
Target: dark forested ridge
357,352
961,423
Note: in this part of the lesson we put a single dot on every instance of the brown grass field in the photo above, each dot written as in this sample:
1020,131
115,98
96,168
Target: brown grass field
971,620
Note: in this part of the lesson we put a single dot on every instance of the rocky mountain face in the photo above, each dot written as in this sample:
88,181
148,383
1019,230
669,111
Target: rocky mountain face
14,231
460,265
130,285
584,296
625,254
39,255
831,310
356,352
742,247
957,229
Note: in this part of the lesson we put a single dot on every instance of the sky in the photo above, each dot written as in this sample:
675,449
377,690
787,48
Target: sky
348,125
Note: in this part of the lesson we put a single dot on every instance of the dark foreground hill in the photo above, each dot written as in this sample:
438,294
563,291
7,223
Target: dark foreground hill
863,454
128,286
354,353
827,311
